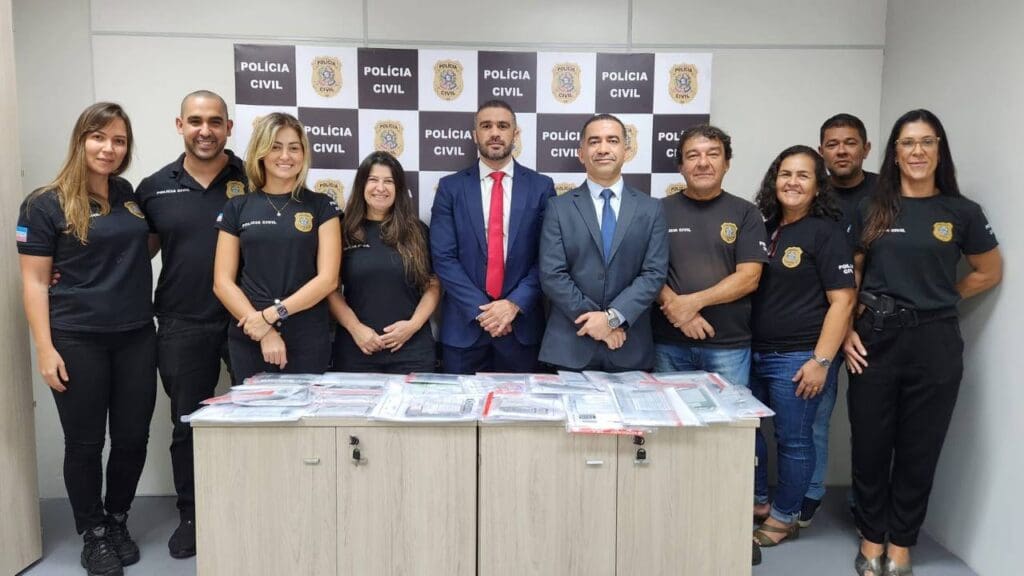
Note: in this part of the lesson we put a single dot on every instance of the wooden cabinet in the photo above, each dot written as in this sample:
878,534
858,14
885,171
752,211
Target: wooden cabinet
291,499
547,502
408,505
685,507
266,500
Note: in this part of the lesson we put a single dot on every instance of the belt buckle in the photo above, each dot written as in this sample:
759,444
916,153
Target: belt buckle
908,318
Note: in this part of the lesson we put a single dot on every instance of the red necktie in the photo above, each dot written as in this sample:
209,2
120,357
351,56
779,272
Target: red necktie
495,239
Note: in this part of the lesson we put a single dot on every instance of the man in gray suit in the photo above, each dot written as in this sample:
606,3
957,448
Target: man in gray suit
603,259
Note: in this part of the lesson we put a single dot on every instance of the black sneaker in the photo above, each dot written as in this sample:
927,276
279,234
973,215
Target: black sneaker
183,542
98,557
807,511
120,540
756,555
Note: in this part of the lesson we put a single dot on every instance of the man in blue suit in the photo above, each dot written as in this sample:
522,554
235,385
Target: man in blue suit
603,259
484,230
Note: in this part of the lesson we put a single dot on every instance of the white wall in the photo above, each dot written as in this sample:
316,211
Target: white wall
961,61
780,69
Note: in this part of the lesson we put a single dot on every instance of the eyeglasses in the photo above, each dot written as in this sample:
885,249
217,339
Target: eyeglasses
927,143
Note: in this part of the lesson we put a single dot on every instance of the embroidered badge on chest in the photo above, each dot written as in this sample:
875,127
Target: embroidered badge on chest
943,231
728,232
234,188
791,257
303,221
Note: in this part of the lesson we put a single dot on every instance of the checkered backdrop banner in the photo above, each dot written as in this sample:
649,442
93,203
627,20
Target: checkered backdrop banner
419,105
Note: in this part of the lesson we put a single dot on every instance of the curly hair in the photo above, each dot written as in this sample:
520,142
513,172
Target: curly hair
825,203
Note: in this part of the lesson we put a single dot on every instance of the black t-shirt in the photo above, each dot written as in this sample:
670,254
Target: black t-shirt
182,212
106,284
706,240
811,255
849,198
278,253
379,292
915,260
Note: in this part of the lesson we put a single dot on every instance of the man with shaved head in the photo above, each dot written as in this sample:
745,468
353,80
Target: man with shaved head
182,201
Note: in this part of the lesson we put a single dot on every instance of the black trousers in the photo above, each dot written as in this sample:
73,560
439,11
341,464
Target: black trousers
307,341
900,408
189,355
109,375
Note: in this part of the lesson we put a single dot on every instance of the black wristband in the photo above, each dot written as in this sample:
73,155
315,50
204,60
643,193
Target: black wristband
264,316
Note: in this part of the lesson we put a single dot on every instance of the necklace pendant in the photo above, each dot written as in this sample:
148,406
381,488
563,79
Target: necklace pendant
278,213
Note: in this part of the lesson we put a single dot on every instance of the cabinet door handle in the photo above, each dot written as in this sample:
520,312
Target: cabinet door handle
595,462
310,461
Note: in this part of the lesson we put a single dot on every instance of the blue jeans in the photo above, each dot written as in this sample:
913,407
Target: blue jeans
733,364
771,381
822,421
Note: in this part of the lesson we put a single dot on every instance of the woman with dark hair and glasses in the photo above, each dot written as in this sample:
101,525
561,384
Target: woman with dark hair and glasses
800,315
904,353
389,290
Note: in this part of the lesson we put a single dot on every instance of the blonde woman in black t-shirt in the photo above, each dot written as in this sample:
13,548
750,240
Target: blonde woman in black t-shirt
389,290
905,353
93,331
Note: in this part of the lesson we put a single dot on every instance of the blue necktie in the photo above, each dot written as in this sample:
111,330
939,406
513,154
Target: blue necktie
607,223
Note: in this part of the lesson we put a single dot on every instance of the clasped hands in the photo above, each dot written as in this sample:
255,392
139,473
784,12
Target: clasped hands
683,311
394,337
595,325
496,317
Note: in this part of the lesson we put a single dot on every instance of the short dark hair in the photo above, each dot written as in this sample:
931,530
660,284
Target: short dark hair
707,131
844,120
205,94
495,104
597,118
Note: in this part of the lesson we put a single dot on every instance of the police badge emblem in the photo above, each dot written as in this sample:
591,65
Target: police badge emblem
632,142
675,188
943,231
234,188
791,257
334,189
566,80
303,221
728,232
682,83
448,79
563,187
388,136
134,209
326,76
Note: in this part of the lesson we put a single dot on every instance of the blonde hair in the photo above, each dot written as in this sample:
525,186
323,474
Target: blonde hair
261,143
72,182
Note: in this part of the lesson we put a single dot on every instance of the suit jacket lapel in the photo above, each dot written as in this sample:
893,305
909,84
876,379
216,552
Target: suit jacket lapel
520,191
585,204
475,205
627,207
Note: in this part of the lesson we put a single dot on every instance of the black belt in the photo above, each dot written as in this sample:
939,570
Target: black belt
909,318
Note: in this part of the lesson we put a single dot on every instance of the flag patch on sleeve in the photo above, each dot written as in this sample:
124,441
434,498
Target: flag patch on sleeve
22,233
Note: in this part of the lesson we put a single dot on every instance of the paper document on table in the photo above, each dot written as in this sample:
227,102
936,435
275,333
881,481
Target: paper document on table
563,383
271,394
595,414
645,405
701,402
740,403
355,380
397,405
504,406
282,379
484,382
235,413
631,377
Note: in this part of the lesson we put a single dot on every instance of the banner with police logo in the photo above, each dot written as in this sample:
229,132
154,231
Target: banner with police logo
419,106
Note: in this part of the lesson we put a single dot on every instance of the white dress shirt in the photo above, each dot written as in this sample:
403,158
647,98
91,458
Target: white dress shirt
595,195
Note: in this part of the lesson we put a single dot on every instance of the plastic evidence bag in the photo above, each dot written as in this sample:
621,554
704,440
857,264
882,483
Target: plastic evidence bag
512,406
271,394
563,383
235,413
595,414
651,405
397,405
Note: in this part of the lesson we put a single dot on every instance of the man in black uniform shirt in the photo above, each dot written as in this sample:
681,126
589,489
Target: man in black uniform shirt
181,202
717,247
844,145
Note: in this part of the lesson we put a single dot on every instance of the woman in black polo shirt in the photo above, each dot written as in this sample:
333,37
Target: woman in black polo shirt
93,331
389,288
278,256
799,318
905,354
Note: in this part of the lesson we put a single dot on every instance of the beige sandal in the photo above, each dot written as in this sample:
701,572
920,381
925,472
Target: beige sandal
792,532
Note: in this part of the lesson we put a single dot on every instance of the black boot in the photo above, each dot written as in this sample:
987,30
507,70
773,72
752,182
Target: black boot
183,542
98,557
120,540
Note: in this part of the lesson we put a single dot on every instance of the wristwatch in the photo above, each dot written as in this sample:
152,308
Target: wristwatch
823,362
282,311
614,320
